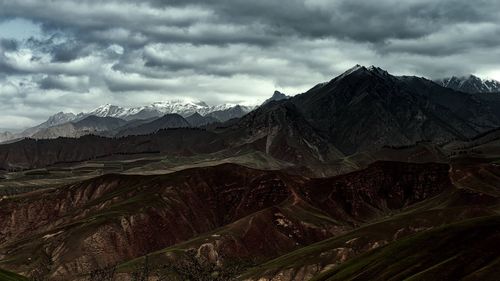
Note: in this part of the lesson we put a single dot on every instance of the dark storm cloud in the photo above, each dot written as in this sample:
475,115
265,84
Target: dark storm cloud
67,83
8,44
131,51
253,22
359,20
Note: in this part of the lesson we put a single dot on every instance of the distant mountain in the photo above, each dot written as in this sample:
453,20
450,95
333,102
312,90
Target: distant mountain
277,96
95,123
470,84
89,125
54,120
6,136
226,112
31,154
184,108
166,122
363,109
129,125
109,110
197,120
158,109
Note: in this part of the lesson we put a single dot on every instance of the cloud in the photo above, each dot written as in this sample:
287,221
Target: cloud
63,82
73,55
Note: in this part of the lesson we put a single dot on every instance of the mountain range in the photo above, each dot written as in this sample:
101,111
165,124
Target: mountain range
184,108
470,84
70,125
219,113
363,109
368,176
366,107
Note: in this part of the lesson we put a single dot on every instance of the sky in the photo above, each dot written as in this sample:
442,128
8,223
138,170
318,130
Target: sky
74,55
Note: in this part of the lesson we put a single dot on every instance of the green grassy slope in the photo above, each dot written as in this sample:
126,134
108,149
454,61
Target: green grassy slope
354,243
9,276
467,250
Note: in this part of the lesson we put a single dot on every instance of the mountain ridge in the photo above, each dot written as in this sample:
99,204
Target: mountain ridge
470,84
364,107
185,108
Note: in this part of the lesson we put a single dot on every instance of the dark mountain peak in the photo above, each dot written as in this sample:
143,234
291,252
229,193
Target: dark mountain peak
285,134
171,115
368,107
277,96
378,70
195,115
354,69
198,120
362,72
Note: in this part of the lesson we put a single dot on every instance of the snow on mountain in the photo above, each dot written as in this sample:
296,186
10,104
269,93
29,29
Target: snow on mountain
108,110
470,84
229,106
184,108
225,113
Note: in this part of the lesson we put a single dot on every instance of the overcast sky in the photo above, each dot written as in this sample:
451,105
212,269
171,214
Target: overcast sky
73,55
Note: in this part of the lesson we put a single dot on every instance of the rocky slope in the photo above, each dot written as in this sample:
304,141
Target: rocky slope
277,96
368,107
31,154
471,257
88,125
166,122
225,113
197,120
114,218
282,132
54,120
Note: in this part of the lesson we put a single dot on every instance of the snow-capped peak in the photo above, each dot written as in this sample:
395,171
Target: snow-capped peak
108,110
470,84
183,107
